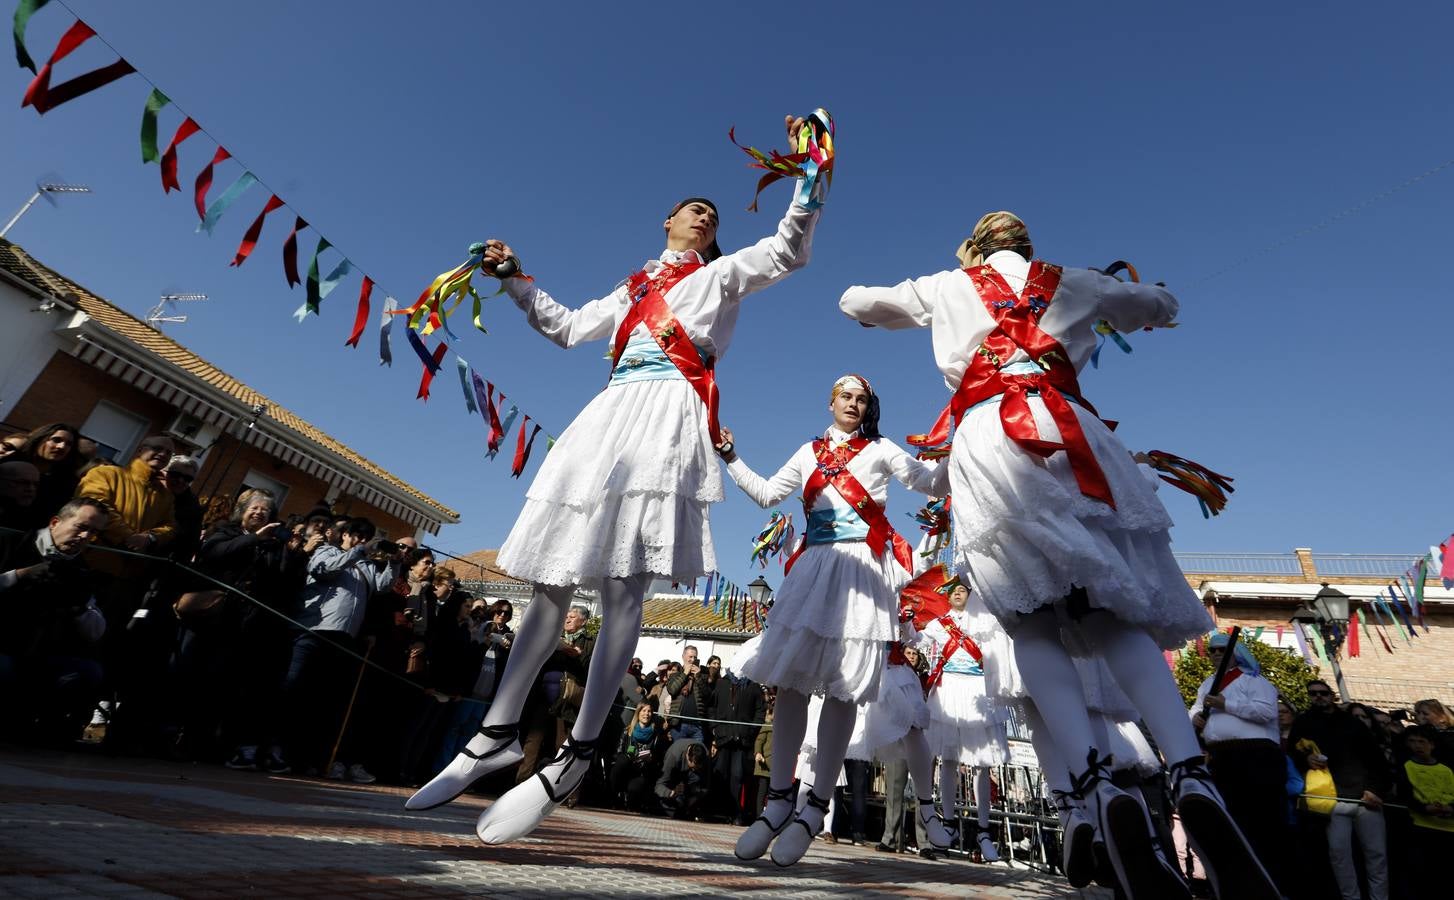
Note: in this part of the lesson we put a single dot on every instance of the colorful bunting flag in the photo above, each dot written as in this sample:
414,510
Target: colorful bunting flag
254,231
522,449
185,130
290,254
361,317
44,98
386,353
510,415
154,103
431,366
223,203
23,11
464,383
204,181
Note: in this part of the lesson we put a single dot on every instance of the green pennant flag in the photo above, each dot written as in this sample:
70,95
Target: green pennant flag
154,103
23,11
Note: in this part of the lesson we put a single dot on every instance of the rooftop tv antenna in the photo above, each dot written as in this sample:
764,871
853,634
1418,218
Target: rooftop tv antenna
44,189
167,302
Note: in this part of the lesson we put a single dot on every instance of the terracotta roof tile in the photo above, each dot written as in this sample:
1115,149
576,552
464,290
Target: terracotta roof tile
17,262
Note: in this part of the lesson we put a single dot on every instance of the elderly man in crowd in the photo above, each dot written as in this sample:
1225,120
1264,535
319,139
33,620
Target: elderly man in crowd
51,623
320,675
557,694
1362,778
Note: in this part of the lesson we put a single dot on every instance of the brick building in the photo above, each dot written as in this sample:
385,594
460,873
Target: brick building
71,356
1266,589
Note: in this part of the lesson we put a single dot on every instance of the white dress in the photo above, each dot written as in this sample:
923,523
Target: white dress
966,722
1022,528
625,489
838,607
885,722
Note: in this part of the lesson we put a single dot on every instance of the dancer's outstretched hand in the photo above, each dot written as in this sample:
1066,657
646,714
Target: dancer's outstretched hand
794,124
496,252
728,448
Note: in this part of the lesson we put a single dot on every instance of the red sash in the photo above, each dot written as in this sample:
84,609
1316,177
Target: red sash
1017,328
832,470
957,639
649,307
896,654
1229,678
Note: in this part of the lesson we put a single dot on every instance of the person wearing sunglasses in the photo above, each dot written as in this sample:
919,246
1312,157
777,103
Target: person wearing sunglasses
1362,777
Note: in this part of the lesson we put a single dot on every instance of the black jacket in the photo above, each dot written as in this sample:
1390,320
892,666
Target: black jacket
737,702
262,568
40,612
1354,757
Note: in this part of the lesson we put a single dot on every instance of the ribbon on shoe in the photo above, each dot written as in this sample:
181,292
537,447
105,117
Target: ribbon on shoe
649,308
832,469
811,160
1017,329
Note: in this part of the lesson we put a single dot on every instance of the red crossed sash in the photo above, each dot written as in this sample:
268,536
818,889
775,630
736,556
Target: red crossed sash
957,639
832,470
649,307
1017,328
1228,679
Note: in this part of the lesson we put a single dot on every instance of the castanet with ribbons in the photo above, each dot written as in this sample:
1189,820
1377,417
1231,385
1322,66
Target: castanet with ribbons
773,540
1210,488
933,520
811,159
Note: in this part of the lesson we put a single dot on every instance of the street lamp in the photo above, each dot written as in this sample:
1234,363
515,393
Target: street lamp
1328,610
760,592
44,189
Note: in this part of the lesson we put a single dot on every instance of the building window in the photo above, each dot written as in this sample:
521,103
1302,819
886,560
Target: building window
256,479
115,431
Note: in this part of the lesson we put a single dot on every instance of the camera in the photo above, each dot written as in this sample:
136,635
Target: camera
480,613
383,549
411,615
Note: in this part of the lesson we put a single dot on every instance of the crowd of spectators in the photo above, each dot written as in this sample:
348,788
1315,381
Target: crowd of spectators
315,646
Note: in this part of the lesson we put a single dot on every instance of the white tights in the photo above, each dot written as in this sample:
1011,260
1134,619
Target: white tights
949,790
790,723
539,635
1132,658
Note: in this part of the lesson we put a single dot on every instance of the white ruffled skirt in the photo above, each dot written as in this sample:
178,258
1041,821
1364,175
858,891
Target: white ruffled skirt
884,723
1026,535
625,491
965,723
830,624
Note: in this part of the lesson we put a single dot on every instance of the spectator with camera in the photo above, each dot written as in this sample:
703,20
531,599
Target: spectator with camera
689,700
48,662
320,677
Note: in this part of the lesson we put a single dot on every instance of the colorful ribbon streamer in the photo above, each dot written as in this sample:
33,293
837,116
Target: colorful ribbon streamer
45,98
811,160
386,354
522,448
464,384
773,540
204,182
23,11
222,204
1208,487
430,311
154,103
254,231
185,130
361,318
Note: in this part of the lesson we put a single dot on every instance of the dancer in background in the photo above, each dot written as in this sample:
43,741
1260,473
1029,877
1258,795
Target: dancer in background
623,496
1056,527
836,613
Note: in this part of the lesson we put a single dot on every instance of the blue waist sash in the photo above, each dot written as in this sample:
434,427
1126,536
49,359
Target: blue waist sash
642,359
826,527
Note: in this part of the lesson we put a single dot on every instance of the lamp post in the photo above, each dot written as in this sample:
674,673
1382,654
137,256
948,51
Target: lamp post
1328,610
760,592
43,189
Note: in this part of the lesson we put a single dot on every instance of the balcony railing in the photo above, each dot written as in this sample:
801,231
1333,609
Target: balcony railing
1240,563
1380,565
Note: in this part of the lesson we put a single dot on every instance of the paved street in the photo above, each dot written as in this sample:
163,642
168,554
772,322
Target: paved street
89,826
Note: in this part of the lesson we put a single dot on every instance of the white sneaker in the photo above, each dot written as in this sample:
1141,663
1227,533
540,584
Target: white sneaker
987,849
1077,845
493,748
1122,823
521,809
336,772
755,840
359,775
1232,867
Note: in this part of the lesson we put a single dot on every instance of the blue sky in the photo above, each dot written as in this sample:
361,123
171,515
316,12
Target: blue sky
1185,139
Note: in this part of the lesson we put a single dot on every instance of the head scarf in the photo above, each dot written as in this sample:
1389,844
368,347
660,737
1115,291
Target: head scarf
713,251
868,425
1240,654
993,232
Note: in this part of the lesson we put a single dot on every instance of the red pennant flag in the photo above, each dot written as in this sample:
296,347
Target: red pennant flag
429,372
362,318
290,253
1353,635
204,181
45,98
496,432
169,158
522,449
254,231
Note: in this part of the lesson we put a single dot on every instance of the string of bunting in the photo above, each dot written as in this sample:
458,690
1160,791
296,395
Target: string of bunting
732,603
430,313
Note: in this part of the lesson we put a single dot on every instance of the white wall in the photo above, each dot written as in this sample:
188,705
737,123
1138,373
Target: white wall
27,342
652,649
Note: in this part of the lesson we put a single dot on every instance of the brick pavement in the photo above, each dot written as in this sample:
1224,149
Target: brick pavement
87,826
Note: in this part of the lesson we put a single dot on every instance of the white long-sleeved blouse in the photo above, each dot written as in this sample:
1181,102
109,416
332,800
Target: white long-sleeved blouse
873,466
705,302
948,302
